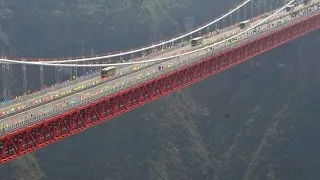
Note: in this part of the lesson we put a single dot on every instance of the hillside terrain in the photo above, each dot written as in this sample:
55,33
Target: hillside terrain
256,121
60,28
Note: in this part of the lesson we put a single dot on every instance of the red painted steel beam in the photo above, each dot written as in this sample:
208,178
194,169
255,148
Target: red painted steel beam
51,130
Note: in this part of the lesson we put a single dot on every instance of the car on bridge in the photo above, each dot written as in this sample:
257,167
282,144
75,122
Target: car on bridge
196,41
244,24
108,71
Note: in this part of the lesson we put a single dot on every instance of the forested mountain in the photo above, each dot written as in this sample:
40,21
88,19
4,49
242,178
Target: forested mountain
256,121
38,28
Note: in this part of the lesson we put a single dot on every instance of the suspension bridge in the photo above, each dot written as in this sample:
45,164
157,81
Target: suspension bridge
33,120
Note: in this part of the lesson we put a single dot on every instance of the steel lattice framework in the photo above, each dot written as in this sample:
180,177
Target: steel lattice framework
56,128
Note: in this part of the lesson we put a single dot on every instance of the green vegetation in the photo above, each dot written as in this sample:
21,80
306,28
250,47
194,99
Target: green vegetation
62,28
46,29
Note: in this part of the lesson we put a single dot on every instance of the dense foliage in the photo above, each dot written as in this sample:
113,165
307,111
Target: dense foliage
37,28
61,28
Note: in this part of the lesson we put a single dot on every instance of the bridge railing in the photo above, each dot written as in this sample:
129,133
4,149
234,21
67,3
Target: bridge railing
179,63
47,89
56,87
22,99
64,84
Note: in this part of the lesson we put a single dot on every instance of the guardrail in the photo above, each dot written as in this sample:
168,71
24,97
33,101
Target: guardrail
111,90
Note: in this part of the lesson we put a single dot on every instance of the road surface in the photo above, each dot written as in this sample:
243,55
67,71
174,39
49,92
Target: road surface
132,78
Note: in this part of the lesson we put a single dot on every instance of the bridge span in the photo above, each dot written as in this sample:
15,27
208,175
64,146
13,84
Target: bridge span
83,105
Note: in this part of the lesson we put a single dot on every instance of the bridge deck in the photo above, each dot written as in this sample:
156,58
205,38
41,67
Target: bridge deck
185,72
134,74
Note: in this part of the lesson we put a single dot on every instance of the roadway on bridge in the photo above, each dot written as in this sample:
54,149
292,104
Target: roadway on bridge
51,95
125,70
122,80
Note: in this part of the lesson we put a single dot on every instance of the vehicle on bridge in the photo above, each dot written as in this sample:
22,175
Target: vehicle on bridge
306,2
244,24
196,41
233,40
289,8
108,71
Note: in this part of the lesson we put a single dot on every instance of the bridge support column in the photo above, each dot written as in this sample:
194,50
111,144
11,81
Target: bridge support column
238,16
8,81
4,80
75,71
58,74
245,12
251,5
61,73
24,78
41,77
259,6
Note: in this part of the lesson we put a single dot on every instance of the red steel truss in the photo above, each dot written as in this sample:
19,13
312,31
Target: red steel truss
56,128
